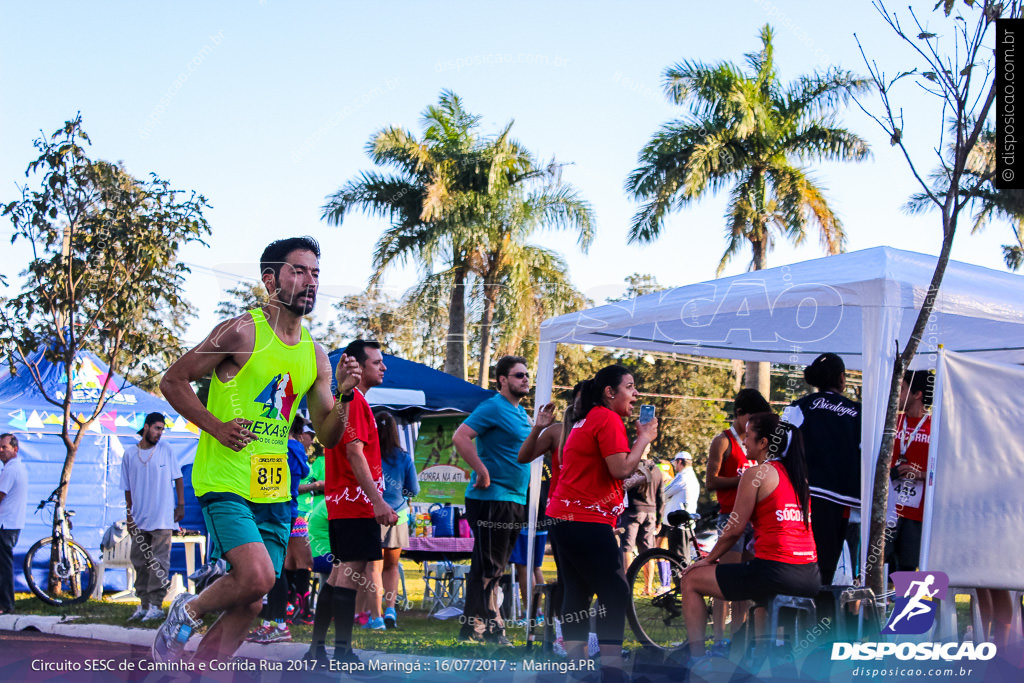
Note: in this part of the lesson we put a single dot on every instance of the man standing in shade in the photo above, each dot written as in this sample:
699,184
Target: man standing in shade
261,364
496,497
154,498
13,498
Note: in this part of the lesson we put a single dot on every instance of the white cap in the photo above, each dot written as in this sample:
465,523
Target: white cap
682,455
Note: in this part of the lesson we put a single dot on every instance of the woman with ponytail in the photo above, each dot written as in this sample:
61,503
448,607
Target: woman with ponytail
774,497
584,505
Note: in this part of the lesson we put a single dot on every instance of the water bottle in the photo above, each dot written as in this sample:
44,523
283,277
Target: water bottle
183,634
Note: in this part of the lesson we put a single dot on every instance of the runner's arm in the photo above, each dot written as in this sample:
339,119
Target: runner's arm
716,456
382,512
329,416
230,337
462,439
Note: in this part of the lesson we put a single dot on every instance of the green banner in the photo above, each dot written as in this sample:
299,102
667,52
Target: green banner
443,474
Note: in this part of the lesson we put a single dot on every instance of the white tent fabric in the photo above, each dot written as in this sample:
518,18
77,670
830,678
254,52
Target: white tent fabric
859,305
973,503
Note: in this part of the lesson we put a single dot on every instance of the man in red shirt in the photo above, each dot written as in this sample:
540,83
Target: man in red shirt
909,464
355,504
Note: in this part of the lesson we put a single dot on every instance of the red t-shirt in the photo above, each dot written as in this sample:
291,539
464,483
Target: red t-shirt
912,444
585,491
345,499
734,464
779,532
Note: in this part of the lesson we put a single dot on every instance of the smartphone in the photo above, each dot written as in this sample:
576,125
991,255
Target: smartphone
646,413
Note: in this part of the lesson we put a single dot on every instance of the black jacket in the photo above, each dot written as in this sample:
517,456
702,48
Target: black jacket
831,431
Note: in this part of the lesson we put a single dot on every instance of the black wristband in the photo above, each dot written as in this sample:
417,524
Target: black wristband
345,398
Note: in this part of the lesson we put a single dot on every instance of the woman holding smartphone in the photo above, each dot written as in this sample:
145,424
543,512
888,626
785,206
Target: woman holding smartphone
584,505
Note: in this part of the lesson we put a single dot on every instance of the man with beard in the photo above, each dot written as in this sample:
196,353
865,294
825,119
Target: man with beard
496,497
261,364
150,476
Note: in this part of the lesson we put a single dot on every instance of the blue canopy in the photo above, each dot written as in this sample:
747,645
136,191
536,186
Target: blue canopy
413,389
94,491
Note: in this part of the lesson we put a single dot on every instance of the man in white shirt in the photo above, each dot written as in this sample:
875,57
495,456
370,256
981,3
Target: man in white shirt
13,498
151,479
684,489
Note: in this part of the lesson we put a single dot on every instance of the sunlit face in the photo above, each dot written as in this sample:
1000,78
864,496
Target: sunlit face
7,450
373,368
518,380
623,397
306,439
756,446
153,432
904,394
297,282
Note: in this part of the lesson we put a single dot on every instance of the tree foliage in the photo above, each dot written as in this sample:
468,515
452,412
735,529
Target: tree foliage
104,274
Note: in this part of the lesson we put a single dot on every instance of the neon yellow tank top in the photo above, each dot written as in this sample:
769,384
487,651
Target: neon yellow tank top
267,391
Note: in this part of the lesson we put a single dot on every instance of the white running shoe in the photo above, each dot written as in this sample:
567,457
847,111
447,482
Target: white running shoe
139,613
172,635
154,612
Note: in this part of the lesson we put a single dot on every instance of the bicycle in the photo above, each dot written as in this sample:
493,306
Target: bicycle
58,570
655,610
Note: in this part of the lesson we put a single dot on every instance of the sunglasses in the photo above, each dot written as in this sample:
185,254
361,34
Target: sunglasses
519,375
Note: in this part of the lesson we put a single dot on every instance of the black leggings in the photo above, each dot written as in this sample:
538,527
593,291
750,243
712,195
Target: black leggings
591,562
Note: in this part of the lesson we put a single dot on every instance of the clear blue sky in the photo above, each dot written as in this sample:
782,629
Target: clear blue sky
265,107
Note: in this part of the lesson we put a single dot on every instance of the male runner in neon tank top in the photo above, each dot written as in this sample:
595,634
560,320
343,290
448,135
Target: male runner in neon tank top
727,460
262,364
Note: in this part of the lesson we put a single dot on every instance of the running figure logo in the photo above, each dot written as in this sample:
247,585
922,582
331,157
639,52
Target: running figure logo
277,398
914,613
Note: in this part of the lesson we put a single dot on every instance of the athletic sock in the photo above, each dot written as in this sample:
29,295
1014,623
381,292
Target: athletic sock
344,603
322,618
277,599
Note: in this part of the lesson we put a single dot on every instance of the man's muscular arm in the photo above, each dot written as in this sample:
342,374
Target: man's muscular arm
230,343
329,417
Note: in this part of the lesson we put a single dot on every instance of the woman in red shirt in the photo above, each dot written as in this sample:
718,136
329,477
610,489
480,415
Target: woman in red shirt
584,505
774,497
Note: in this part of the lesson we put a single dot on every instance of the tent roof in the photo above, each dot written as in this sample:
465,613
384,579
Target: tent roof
413,388
23,407
790,314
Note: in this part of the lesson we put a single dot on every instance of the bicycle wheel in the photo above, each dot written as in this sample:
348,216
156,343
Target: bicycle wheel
655,609
73,577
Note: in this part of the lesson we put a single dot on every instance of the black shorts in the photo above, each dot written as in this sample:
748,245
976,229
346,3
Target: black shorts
761,580
355,540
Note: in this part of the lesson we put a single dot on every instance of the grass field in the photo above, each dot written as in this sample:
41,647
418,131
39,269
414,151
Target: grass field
416,634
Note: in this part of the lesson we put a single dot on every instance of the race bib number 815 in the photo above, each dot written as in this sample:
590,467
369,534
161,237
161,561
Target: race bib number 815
268,476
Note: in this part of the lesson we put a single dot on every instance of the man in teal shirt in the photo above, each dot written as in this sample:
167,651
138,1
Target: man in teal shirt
496,497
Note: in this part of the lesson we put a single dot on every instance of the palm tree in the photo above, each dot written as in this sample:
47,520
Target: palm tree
467,203
423,199
748,131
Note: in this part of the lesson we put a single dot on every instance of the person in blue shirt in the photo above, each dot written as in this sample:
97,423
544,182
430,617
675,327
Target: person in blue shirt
496,496
400,483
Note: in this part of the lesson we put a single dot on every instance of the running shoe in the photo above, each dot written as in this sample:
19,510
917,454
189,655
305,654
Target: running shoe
169,643
273,634
376,624
154,612
139,612
391,617
257,633
720,648
361,618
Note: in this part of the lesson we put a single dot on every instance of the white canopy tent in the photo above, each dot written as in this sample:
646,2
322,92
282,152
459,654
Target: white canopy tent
859,305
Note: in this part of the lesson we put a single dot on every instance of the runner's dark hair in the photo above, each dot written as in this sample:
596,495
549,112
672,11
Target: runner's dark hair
780,435
387,433
825,372
923,381
357,349
749,401
276,253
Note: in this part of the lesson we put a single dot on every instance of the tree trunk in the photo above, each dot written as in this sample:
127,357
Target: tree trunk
759,376
455,343
880,492
486,319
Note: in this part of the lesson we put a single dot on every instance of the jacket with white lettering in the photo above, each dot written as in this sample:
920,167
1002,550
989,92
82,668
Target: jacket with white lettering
831,431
